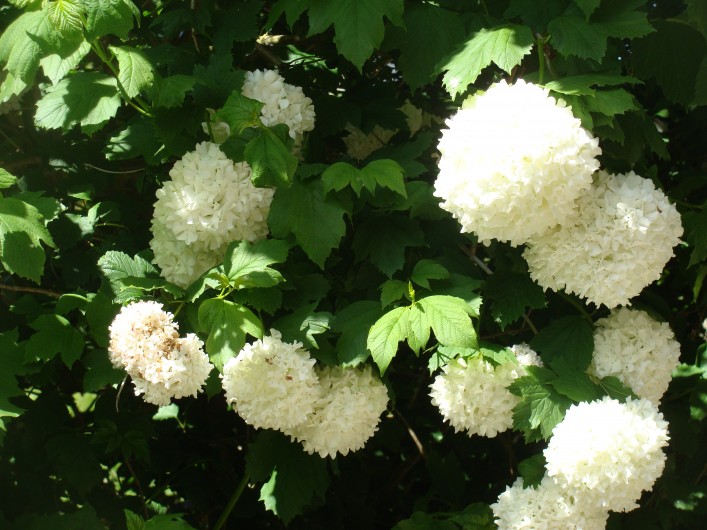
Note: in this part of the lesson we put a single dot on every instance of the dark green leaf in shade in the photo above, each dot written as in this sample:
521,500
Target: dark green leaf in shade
116,266
696,235
22,232
511,295
136,139
426,270
615,389
573,35
170,91
383,239
270,160
673,55
583,84
172,521
238,23
316,221
54,334
701,84
11,365
100,372
570,338
240,112
573,382
293,479
227,325
353,323
504,45
73,459
392,291
587,6
303,324
532,470
358,24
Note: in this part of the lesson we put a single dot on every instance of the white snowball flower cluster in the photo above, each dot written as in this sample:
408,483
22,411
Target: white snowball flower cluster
346,414
546,507
272,383
608,452
209,202
514,160
617,243
283,103
472,393
639,351
145,342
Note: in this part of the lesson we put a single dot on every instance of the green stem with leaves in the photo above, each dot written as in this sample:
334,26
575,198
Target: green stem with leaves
232,502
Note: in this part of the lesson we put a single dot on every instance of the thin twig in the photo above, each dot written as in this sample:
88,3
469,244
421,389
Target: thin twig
138,485
411,432
114,172
35,290
232,502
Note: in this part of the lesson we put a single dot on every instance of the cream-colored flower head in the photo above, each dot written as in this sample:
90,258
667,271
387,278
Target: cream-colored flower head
607,452
272,384
209,202
545,507
617,243
145,342
220,130
283,103
513,162
472,393
641,352
346,414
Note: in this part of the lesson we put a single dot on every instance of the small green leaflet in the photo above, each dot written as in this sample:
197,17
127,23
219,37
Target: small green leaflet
316,221
358,24
22,232
447,316
240,112
136,72
615,389
379,173
247,265
7,179
504,45
292,478
426,270
85,98
532,470
227,324
270,159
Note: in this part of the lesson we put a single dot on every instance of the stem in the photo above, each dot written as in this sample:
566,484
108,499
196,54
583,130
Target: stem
35,290
576,305
541,59
232,502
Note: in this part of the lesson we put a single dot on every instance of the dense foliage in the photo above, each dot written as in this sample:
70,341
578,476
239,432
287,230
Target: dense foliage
335,239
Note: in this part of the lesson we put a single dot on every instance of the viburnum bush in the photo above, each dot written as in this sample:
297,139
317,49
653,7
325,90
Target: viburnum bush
389,264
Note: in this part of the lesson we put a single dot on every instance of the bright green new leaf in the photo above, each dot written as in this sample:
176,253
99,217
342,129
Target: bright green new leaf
503,45
426,270
271,161
449,318
227,324
419,328
385,335
86,98
358,24
54,334
105,17
55,67
570,338
135,70
392,291
248,264
22,231
293,479
316,221
65,16
19,52
353,322
7,179
511,295
240,112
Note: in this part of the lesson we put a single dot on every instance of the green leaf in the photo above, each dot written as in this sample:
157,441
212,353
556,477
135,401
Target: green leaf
73,459
293,479
135,71
85,98
19,52
358,24
582,84
227,325
153,284
570,338
429,34
100,372
541,407
504,45
240,112
54,334
511,295
386,333
611,102
572,35
22,232
449,318
697,13
247,264
386,174
303,325
353,322
587,6
532,470
170,91
167,522
426,270
11,365
339,175
615,389
696,235
701,84
675,73
574,383
65,16
133,521
383,240
7,179
392,291
117,266
271,161
105,17
238,23
316,221
56,67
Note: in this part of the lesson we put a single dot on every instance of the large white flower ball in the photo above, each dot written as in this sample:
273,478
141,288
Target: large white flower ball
144,340
209,202
346,414
639,351
617,243
608,452
472,393
272,384
545,507
513,162
283,103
